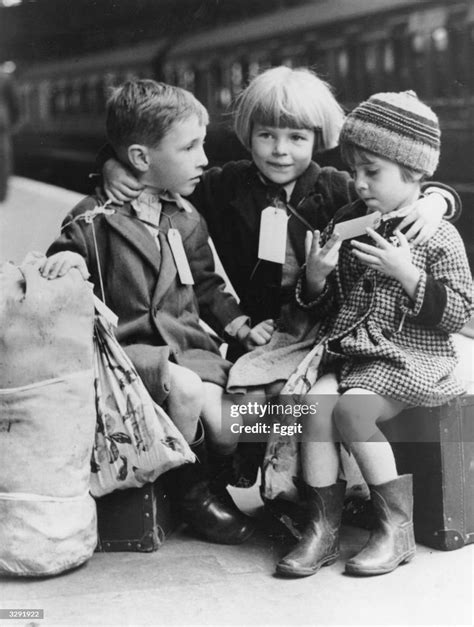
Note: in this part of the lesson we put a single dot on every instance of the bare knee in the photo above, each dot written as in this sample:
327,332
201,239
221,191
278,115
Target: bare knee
355,416
186,386
185,400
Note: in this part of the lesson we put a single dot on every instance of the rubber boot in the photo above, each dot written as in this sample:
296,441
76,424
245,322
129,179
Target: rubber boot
392,541
202,510
319,544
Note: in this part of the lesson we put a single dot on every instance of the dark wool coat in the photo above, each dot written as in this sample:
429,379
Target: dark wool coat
232,198
158,317
378,339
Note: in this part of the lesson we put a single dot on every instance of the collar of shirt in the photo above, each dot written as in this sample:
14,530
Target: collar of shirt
286,189
148,205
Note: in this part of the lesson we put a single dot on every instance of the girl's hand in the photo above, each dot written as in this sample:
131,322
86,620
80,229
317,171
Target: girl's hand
389,259
120,184
320,262
59,264
259,335
424,216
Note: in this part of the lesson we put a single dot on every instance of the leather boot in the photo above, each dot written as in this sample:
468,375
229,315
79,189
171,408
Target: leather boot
202,510
221,474
392,541
319,544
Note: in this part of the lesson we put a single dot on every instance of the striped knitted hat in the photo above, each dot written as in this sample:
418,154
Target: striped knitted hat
396,126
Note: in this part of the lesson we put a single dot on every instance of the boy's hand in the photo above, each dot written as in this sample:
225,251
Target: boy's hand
59,264
120,184
424,216
389,259
320,262
259,335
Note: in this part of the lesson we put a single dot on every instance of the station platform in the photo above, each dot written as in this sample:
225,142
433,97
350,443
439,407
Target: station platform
191,582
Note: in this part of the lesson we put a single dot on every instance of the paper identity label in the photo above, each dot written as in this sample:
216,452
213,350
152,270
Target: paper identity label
179,256
273,234
357,226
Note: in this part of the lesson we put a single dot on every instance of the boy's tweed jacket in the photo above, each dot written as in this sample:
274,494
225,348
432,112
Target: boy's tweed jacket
158,317
379,339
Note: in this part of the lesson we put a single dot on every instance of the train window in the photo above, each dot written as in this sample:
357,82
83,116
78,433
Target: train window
131,75
372,56
419,42
43,100
169,74
225,97
388,58
342,63
402,52
459,57
217,89
60,101
442,78
186,78
320,62
254,69
420,66
75,97
440,39
200,84
236,78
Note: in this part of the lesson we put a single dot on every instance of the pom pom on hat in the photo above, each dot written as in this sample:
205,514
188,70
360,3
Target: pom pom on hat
398,127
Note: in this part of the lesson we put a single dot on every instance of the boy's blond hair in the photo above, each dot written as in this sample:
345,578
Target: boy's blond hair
143,112
289,98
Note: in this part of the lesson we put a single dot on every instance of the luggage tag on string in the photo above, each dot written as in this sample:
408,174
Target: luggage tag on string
179,255
273,235
356,227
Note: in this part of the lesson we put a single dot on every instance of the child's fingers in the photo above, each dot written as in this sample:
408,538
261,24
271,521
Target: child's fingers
264,335
83,270
258,339
365,248
403,239
115,196
369,260
48,266
409,217
378,239
334,242
423,236
413,231
307,243
268,325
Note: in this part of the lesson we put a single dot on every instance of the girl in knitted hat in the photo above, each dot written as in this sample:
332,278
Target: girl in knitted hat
387,312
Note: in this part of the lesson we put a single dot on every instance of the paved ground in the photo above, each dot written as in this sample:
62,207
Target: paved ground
189,582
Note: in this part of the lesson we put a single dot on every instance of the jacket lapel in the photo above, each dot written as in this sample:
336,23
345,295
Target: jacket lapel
136,234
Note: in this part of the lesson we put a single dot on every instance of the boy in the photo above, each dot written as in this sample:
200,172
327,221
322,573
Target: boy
151,263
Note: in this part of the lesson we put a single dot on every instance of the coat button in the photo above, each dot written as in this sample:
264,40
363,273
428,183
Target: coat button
367,285
387,334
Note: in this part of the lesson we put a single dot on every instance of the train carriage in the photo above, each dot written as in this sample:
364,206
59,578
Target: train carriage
360,47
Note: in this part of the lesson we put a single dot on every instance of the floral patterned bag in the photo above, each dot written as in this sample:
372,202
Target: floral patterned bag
135,440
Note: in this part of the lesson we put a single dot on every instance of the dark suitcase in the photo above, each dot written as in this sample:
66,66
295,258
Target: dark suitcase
138,519
436,445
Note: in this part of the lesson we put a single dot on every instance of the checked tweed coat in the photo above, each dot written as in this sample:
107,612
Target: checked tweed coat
158,316
378,339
